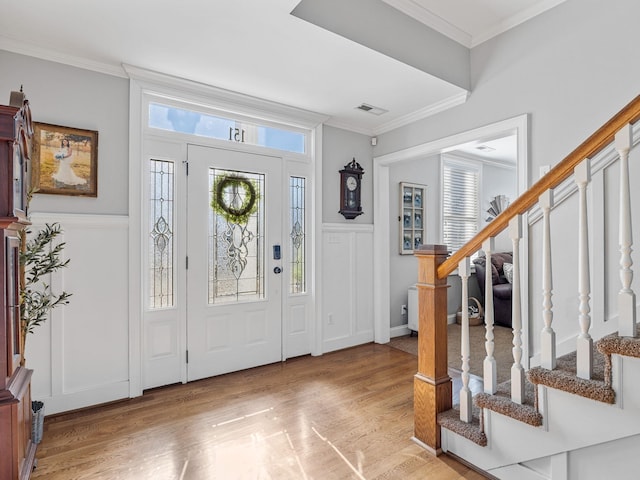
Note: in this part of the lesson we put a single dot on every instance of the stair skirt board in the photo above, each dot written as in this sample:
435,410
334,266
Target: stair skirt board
517,472
571,423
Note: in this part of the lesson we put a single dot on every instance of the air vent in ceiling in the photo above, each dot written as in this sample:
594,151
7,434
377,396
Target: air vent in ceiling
371,109
485,148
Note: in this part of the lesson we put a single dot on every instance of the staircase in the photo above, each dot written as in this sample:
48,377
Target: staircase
571,409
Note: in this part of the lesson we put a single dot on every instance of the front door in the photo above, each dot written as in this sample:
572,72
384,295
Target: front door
234,289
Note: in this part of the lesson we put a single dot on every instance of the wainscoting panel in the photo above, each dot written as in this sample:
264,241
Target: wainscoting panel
298,327
347,285
80,355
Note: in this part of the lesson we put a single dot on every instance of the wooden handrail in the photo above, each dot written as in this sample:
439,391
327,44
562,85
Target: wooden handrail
563,170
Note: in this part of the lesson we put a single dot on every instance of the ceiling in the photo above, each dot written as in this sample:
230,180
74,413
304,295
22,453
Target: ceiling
258,48
500,151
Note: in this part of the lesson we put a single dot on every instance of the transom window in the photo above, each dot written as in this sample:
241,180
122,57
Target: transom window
166,117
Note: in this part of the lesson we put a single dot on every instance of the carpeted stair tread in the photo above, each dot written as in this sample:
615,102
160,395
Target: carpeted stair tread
500,402
564,378
472,431
615,344
628,346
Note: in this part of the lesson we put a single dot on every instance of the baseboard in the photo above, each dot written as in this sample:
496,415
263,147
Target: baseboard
347,341
399,331
471,466
402,330
87,398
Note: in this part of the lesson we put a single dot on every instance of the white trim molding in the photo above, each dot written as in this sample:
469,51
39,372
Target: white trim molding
146,84
232,102
383,223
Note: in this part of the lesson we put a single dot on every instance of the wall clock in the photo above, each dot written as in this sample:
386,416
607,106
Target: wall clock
350,190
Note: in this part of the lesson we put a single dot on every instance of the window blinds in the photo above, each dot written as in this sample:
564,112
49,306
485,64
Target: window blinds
460,193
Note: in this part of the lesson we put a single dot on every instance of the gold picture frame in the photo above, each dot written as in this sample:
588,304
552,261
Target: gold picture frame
64,160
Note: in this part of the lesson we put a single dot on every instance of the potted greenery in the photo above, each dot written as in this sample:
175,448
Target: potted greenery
40,256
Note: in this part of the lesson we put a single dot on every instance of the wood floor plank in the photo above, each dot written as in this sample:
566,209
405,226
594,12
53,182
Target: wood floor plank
344,415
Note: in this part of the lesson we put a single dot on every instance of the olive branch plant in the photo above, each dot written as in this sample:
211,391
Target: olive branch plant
40,256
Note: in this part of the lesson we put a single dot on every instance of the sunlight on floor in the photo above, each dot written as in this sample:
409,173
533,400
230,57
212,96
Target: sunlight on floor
357,471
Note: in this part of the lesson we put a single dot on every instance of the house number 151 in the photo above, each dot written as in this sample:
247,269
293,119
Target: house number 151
236,135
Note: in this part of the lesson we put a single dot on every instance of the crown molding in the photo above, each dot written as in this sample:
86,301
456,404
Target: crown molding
518,124
412,117
425,112
24,48
430,19
514,21
352,127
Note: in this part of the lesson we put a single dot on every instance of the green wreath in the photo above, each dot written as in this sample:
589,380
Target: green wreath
249,201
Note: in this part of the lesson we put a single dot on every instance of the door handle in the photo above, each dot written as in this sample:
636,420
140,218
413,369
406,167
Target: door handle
277,270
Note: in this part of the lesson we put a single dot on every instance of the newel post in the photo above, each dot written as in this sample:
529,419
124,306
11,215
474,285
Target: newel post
432,384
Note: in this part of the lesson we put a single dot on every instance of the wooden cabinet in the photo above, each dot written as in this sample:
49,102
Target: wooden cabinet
17,451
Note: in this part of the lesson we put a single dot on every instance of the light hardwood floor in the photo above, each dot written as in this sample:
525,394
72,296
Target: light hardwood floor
344,415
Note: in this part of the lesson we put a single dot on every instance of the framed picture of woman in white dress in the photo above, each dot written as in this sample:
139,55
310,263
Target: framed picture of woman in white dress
65,160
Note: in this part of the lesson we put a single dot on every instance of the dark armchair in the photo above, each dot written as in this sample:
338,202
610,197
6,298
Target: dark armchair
501,286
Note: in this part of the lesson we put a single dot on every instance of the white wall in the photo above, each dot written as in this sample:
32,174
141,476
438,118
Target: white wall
80,356
339,147
498,180
404,268
73,97
570,69
347,246
347,285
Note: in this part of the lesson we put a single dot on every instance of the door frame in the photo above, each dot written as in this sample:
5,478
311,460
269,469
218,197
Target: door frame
383,216
145,84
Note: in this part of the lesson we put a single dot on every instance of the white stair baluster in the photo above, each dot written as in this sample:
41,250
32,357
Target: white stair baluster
547,336
517,372
584,342
489,366
465,393
626,296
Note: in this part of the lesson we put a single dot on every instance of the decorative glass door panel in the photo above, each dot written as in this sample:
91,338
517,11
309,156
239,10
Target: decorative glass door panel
161,228
297,235
234,281
236,248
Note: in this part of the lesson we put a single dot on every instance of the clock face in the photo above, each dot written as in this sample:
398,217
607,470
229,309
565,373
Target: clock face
18,179
352,183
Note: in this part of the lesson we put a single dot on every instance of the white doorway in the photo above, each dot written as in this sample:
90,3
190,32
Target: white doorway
163,344
515,126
